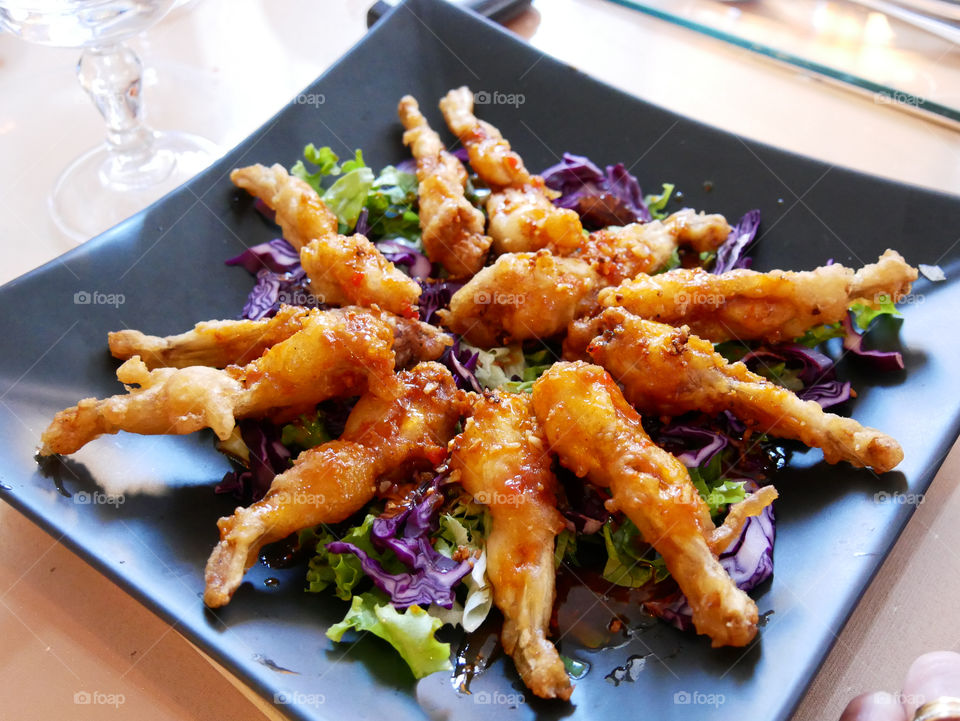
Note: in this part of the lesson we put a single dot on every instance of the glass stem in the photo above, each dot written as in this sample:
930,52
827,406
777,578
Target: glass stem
111,75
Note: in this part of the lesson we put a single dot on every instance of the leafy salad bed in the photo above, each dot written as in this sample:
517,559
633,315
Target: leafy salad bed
416,559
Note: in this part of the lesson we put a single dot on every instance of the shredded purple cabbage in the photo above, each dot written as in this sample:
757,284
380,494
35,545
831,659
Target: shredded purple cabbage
418,265
268,457
710,442
748,561
275,289
363,223
584,510
410,165
280,279
602,198
265,210
276,255
730,255
881,360
432,576
817,372
462,363
435,295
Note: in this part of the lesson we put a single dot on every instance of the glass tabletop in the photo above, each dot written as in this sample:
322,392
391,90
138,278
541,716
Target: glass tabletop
854,43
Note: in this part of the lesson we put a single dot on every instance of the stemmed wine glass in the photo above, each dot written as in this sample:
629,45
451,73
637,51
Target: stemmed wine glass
136,165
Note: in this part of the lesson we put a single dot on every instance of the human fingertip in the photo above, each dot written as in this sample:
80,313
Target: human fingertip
931,676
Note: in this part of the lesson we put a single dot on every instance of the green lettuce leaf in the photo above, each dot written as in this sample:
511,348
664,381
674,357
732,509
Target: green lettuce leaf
410,632
348,195
674,262
566,549
820,334
625,565
732,350
325,161
864,315
778,373
466,527
304,433
343,571
497,367
716,491
355,164
392,206
536,365
657,204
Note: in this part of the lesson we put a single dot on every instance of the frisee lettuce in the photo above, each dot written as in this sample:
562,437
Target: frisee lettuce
411,632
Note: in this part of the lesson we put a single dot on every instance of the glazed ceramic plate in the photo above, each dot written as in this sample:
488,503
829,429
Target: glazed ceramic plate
163,270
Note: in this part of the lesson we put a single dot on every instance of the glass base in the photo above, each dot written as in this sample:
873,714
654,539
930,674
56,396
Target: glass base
85,202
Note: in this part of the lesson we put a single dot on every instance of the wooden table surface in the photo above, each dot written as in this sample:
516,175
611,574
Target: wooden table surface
222,67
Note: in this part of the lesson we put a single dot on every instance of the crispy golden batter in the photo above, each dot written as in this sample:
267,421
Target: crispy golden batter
666,370
408,427
520,296
504,463
598,434
349,270
621,253
525,220
522,218
747,305
215,343
301,214
452,228
332,355
490,155
219,343
343,270
720,538
700,232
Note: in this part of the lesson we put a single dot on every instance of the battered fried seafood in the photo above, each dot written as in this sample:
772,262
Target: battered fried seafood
520,296
349,270
301,214
522,216
504,463
747,305
598,434
527,295
219,343
452,228
668,371
406,428
332,355
621,253
343,270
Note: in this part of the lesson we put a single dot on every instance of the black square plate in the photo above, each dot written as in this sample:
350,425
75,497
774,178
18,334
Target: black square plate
163,270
